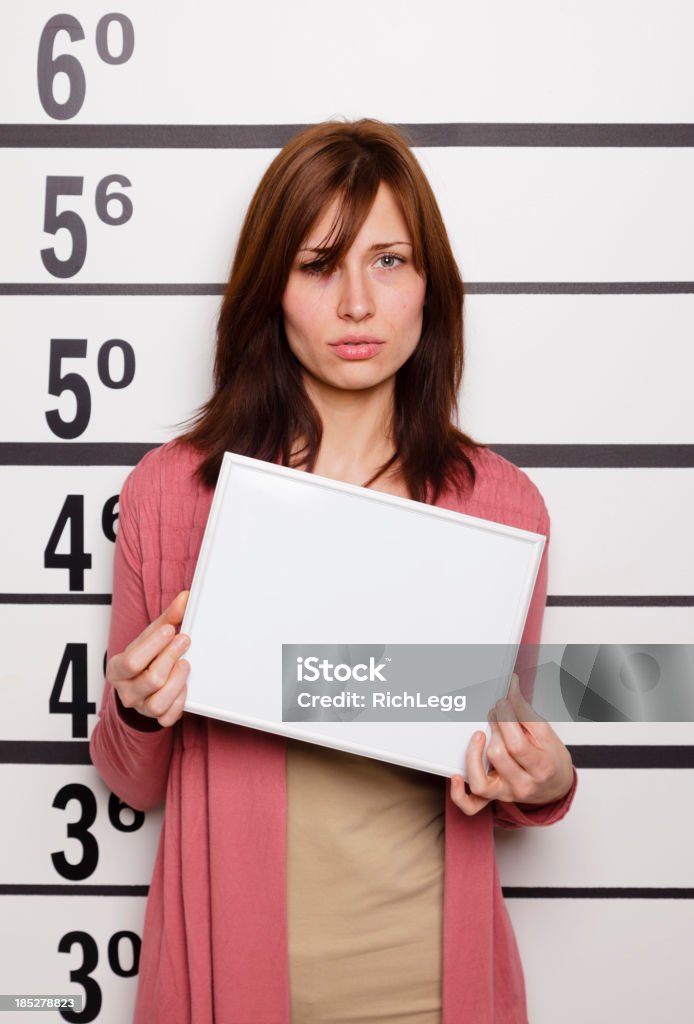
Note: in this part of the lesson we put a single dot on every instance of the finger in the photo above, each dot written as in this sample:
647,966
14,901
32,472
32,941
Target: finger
467,802
137,655
524,711
516,781
160,704
156,674
177,609
479,782
525,749
175,711
150,643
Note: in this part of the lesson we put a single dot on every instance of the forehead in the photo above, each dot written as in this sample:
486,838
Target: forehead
383,223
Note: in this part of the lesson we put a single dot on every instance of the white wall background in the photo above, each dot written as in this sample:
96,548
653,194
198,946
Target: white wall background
576,246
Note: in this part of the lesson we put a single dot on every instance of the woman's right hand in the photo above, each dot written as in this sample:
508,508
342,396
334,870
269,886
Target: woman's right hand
149,674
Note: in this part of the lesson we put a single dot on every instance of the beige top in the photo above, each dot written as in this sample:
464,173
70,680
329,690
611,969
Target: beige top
365,853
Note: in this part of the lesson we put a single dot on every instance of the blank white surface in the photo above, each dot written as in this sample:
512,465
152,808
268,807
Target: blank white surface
294,558
579,369
566,214
600,842
619,531
618,625
605,960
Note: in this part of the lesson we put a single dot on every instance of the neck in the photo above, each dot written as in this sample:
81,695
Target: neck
357,433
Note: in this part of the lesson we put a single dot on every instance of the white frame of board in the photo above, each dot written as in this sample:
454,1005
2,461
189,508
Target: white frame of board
394,511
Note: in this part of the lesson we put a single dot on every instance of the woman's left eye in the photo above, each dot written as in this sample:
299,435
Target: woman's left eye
393,257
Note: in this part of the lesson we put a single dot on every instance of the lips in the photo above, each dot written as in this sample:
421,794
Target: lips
356,346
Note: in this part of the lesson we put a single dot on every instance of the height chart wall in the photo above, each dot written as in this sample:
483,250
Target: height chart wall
558,140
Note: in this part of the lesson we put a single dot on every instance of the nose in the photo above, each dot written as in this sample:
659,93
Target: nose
356,300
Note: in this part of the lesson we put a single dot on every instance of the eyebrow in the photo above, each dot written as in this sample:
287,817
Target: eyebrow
372,248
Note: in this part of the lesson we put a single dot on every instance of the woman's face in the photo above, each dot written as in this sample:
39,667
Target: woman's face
354,327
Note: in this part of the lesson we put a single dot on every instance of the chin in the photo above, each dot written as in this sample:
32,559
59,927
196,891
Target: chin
360,380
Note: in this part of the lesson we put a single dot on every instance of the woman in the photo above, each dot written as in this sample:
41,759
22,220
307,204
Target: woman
293,881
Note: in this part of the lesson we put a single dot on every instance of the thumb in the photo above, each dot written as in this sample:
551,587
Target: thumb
526,713
176,610
515,695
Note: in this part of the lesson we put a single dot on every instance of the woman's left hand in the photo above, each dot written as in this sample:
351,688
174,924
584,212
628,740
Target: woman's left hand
529,764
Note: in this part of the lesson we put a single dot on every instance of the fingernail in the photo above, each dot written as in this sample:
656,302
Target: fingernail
167,631
181,641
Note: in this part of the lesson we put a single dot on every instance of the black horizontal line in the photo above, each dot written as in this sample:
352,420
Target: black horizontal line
579,287
55,599
66,889
471,288
620,601
560,456
50,288
274,136
593,892
599,456
553,600
523,892
44,752
77,453
631,756
643,756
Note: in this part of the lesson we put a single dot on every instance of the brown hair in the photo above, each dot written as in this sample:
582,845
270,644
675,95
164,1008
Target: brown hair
260,406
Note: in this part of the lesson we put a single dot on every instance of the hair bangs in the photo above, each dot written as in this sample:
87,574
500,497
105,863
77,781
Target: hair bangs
354,201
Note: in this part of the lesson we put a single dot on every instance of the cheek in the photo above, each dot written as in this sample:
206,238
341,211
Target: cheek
407,313
291,308
300,311
411,296
303,328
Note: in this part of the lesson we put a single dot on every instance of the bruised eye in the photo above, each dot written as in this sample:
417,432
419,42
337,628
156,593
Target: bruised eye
314,268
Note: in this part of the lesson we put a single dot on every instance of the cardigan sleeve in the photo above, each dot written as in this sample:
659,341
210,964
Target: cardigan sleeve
130,751
509,815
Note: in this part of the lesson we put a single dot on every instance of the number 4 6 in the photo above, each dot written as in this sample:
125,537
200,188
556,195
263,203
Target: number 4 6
76,560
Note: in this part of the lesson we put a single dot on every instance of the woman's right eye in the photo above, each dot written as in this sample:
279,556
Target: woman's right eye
314,269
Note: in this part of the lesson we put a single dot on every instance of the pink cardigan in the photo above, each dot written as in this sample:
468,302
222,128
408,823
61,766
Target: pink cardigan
215,936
